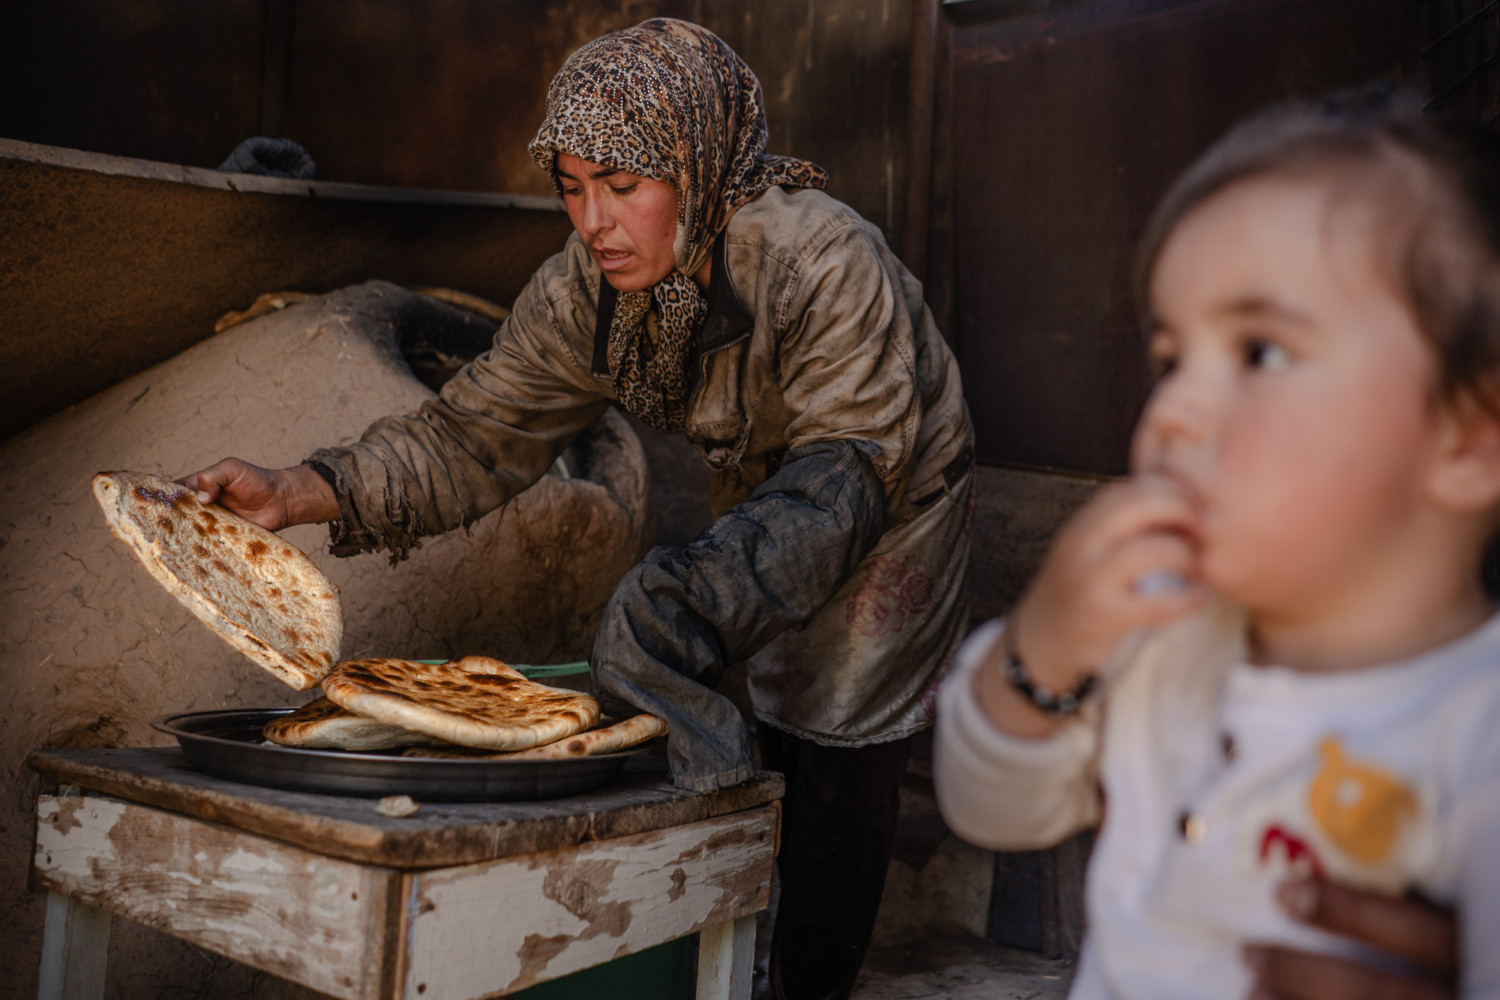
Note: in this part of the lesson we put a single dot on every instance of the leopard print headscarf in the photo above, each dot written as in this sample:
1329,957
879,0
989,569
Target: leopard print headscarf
668,100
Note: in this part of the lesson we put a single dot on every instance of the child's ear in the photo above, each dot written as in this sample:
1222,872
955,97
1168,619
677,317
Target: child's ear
1466,475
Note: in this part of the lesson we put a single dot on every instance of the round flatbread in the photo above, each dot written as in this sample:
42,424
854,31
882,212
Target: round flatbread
259,592
322,725
474,701
608,739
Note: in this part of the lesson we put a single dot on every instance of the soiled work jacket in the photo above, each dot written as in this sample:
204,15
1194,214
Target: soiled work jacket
830,413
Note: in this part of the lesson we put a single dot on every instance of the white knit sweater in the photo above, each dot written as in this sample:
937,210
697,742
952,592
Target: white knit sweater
1387,777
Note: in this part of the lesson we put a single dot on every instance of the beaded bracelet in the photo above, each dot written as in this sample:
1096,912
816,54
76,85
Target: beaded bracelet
1055,705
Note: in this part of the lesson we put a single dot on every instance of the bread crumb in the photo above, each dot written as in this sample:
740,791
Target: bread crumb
396,806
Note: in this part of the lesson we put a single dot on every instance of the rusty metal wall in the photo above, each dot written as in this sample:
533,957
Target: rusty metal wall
157,79
432,95
1067,126
436,95
836,77
114,265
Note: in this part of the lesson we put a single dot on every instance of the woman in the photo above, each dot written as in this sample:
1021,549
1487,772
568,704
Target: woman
714,291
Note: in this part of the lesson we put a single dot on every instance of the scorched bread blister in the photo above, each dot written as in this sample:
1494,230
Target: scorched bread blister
474,701
260,593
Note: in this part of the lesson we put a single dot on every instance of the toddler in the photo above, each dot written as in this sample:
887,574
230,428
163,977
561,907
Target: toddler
1269,652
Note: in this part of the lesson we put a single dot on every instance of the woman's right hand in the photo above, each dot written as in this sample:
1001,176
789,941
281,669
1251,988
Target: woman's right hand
271,498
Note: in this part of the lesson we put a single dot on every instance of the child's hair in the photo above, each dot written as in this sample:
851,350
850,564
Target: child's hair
1435,185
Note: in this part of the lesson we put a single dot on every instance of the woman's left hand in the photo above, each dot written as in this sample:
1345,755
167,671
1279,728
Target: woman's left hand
1423,935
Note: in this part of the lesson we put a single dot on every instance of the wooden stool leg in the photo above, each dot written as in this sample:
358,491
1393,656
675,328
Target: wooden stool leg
726,955
75,950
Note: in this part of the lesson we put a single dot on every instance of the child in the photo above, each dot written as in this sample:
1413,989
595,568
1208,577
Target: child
1269,650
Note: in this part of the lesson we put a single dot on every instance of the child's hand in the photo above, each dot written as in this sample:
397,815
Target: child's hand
1126,561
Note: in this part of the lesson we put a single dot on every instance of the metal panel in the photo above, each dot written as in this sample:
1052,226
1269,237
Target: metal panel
437,95
1067,128
1461,57
108,266
836,75
160,79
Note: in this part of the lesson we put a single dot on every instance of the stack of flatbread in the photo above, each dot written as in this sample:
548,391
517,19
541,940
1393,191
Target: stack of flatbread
474,707
268,600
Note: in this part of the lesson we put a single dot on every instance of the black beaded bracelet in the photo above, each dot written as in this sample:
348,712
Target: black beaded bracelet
1056,705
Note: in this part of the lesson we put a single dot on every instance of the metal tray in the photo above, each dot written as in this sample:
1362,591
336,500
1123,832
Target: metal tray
228,744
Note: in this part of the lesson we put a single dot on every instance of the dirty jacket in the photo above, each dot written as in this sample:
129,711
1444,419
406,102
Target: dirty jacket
830,413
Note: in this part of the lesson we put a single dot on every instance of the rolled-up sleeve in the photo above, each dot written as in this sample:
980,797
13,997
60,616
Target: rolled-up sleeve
1000,791
685,613
493,431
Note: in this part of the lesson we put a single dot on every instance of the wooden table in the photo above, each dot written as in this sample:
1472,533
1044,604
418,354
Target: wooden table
460,900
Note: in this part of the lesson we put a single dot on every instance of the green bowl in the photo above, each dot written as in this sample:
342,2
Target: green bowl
535,670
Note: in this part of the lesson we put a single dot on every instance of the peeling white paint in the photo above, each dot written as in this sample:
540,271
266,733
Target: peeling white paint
623,890
72,833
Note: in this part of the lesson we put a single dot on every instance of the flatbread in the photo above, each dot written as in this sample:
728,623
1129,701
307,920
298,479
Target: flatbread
609,739
256,590
474,701
322,725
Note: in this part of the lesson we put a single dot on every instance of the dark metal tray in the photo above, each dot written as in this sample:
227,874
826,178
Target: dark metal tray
228,744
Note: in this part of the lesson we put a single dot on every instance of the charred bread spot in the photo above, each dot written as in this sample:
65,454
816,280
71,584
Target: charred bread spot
164,497
256,549
199,550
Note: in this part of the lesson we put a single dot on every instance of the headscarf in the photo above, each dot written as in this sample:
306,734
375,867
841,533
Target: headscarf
668,100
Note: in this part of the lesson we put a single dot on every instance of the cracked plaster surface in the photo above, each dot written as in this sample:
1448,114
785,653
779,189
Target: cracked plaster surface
91,648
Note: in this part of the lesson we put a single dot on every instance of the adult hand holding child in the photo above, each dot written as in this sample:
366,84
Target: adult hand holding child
1411,931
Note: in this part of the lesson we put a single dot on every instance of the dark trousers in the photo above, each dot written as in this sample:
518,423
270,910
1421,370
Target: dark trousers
838,831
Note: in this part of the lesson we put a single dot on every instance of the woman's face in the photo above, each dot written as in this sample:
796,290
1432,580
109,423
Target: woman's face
627,221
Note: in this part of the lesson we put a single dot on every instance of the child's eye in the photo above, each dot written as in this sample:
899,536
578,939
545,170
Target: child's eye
1266,355
570,192
622,189
1161,354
